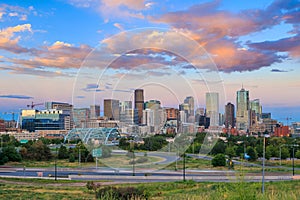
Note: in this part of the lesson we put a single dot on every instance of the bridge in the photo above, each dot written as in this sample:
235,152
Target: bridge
105,136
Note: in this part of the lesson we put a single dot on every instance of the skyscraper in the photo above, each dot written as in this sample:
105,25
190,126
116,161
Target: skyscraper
139,103
212,108
81,116
256,107
242,110
94,111
111,109
229,115
190,101
152,104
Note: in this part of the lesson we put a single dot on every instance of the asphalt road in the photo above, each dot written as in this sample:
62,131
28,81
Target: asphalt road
127,175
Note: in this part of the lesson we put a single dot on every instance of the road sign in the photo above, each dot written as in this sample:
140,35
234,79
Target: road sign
23,141
97,152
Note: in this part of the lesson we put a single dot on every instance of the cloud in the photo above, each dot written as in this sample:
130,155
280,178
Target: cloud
42,72
9,39
290,45
127,91
278,70
218,31
15,96
92,87
59,55
82,4
119,26
11,12
157,73
115,8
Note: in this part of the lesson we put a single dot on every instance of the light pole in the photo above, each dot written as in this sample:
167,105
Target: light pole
133,160
263,167
184,166
1,142
79,157
280,152
55,166
293,160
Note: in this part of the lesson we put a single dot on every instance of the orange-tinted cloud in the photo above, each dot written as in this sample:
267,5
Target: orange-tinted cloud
59,55
219,31
9,39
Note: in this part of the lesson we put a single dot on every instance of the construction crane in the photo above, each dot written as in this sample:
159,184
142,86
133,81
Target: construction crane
287,120
32,105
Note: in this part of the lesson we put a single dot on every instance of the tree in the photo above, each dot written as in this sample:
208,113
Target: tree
106,152
285,153
252,153
11,154
219,160
39,151
71,158
154,143
268,153
63,152
218,148
297,155
259,149
230,151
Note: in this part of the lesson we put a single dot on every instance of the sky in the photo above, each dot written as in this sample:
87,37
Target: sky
83,51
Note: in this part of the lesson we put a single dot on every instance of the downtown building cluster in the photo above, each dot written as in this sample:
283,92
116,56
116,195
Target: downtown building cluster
142,117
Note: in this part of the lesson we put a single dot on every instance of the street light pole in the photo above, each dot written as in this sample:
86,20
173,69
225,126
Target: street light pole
55,169
293,161
184,166
79,157
280,152
263,170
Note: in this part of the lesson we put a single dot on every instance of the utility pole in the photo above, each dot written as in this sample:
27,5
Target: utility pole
184,166
55,168
263,167
79,157
293,161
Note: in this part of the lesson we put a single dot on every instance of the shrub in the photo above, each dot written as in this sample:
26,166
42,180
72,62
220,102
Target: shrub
142,160
297,155
121,193
219,160
72,158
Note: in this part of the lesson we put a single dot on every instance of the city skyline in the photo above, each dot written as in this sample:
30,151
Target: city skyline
254,44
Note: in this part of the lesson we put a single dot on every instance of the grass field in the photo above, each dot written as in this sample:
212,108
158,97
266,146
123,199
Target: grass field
113,161
48,189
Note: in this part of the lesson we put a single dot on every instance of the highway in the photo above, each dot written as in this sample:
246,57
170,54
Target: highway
125,175
146,174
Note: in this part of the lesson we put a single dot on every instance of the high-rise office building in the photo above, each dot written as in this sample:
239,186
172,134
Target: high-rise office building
139,103
172,113
200,111
190,101
256,107
152,104
124,105
111,109
229,115
65,107
242,110
52,119
127,114
94,111
81,116
212,108
184,108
